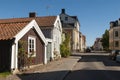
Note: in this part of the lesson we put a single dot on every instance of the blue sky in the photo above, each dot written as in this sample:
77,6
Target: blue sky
94,15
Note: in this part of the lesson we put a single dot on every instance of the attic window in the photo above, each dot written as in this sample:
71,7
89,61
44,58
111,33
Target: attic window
116,33
66,18
31,46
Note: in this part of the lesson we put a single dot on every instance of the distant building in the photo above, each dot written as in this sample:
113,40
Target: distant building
98,44
71,26
82,42
114,35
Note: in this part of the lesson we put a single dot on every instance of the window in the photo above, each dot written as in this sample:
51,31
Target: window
116,33
31,46
66,18
116,43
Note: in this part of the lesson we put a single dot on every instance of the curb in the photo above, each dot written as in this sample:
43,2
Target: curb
68,72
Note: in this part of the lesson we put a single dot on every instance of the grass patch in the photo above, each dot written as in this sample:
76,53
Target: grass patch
4,74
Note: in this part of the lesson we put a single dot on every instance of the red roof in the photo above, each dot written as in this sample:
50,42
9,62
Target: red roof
9,30
10,27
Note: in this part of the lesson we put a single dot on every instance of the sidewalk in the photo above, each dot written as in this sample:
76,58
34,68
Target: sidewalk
55,70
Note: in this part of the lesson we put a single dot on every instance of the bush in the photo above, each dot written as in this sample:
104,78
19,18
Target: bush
64,47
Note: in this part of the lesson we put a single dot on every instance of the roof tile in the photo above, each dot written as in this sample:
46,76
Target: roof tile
9,30
10,27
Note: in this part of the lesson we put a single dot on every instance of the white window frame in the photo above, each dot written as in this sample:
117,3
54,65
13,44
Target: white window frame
32,47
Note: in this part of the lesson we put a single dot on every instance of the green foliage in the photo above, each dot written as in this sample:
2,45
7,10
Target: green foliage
21,47
23,58
105,40
65,47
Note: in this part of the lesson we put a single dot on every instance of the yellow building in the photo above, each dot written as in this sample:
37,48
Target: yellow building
114,35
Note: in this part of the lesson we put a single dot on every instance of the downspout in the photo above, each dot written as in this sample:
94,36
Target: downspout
14,57
45,54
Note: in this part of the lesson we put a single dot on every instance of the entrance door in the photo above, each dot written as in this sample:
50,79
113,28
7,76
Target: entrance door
49,51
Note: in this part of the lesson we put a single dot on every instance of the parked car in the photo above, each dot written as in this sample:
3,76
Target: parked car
118,58
88,50
113,54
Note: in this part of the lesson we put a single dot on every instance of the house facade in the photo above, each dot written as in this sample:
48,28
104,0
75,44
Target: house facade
14,31
52,29
114,35
98,44
71,26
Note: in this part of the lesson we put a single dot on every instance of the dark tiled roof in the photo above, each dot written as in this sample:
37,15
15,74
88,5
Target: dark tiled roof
47,21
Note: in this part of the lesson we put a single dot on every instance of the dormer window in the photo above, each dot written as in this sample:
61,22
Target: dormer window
66,18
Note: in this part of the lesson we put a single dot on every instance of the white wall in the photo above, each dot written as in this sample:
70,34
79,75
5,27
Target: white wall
57,35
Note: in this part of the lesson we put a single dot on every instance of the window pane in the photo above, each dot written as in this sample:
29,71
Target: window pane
116,33
29,41
30,50
33,41
31,46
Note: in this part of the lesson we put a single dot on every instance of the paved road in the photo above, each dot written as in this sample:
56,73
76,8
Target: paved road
95,66
55,70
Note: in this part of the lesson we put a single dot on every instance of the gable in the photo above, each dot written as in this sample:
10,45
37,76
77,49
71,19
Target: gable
31,25
58,23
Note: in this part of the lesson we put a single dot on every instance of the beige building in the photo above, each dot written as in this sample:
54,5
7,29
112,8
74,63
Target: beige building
82,42
114,35
71,26
98,44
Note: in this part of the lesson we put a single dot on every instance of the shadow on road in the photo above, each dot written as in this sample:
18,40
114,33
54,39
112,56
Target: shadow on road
74,75
55,75
99,58
93,75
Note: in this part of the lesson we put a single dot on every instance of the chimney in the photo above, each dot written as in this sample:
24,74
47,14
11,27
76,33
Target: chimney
63,11
32,14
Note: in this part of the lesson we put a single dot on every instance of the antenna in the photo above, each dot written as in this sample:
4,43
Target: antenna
47,8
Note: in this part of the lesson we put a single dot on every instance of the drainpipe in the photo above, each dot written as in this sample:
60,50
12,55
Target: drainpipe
14,58
45,55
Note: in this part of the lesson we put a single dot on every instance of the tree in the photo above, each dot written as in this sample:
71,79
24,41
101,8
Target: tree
105,40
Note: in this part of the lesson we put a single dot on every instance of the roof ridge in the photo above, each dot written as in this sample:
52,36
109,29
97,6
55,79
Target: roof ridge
14,22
